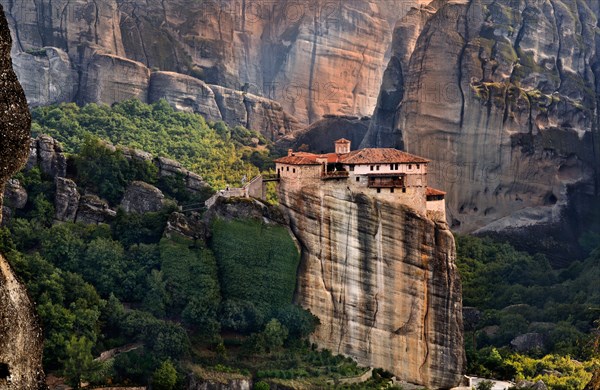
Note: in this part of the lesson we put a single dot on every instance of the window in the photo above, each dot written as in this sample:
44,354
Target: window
404,190
371,167
377,168
278,169
294,170
417,166
397,166
379,190
391,190
287,169
409,166
391,167
357,178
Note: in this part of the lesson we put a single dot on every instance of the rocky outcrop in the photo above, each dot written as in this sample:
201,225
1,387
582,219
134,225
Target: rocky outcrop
47,153
48,76
254,112
194,383
314,58
93,210
15,195
20,334
185,93
189,225
502,96
110,78
66,200
529,342
142,198
21,340
382,280
319,136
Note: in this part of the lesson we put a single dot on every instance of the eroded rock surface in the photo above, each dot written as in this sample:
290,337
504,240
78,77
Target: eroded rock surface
312,57
66,200
382,280
502,96
20,334
142,198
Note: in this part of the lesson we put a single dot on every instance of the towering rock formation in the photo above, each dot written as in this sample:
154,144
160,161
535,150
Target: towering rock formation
381,279
313,57
20,334
503,95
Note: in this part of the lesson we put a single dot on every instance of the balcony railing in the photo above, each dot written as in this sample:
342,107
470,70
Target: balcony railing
334,175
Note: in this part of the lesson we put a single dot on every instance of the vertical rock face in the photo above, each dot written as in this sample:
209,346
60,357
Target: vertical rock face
381,279
313,57
503,96
20,334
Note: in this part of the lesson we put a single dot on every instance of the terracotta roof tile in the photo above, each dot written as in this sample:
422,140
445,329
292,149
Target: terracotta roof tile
297,160
433,192
380,156
342,141
362,156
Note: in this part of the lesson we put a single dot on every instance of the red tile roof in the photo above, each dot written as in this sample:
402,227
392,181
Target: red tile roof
297,160
433,192
342,141
380,156
362,156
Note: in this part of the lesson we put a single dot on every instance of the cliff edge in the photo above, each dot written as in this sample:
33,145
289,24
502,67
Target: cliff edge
20,334
381,279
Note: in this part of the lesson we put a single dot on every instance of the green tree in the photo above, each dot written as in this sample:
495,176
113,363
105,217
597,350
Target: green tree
165,376
261,385
274,334
79,364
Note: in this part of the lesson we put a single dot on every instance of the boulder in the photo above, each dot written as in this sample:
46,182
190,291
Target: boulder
47,153
142,198
66,199
185,93
189,225
15,195
528,342
93,210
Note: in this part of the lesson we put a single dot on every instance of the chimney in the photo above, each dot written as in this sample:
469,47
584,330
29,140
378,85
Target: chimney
290,152
342,146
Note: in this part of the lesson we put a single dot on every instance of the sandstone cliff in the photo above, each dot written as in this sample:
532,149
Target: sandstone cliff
312,57
20,333
381,279
502,96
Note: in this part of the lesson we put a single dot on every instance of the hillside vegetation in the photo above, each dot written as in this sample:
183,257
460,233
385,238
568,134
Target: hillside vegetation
222,155
515,293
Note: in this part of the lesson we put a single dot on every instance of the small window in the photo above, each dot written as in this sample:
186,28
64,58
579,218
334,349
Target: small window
379,190
294,170
278,169
371,167
358,179
391,167
417,166
377,167
287,169
404,190
409,166
397,166
391,190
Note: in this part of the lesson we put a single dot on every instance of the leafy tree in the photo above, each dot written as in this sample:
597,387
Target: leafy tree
299,322
261,385
165,376
79,364
274,334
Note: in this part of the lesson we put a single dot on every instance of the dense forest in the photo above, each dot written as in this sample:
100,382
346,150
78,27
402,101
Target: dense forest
168,306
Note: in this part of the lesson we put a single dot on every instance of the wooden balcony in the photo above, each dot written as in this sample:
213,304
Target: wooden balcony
334,175
386,182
